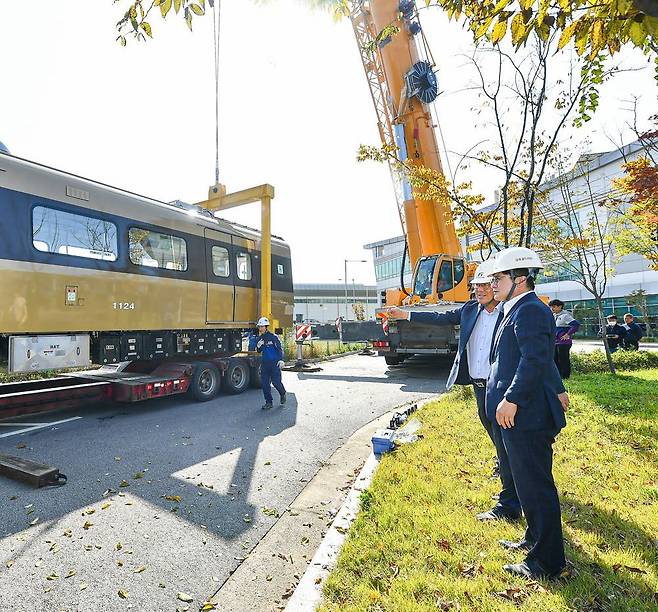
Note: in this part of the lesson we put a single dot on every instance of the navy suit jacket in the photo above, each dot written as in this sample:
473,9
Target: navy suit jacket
465,316
523,369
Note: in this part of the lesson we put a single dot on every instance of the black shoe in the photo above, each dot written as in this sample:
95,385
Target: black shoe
520,545
267,405
524,570
496,514
283,399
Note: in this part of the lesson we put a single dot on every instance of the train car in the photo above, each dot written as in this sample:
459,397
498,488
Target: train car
89,272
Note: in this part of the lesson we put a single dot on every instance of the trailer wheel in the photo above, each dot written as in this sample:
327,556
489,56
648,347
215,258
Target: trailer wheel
392,359
237,376
205,382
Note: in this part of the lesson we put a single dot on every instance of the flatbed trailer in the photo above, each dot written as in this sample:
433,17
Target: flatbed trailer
131,382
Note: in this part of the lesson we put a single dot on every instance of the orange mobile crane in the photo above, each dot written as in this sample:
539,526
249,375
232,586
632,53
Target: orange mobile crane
401,76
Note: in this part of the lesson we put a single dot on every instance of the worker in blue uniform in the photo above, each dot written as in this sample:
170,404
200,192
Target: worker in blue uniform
269,346
477,319
526,402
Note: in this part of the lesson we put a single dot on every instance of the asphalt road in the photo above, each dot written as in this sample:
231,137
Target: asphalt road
170,496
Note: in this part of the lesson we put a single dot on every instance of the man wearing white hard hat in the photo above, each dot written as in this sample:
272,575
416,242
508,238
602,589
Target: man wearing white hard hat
526,402
477,320
269,345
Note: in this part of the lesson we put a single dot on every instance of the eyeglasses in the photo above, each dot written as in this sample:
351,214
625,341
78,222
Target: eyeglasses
495,279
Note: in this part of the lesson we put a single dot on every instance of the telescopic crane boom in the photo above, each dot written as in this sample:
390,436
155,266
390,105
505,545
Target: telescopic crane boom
400,72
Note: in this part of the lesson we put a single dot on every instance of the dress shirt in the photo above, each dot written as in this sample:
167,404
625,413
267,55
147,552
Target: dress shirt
479,343
507,306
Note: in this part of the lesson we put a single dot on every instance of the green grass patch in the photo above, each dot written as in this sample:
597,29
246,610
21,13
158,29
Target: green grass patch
319,348
595,361
416,545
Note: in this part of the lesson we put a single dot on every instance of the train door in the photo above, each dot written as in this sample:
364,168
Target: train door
246,262
220,275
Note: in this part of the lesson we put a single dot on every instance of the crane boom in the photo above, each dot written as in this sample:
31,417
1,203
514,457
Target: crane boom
402,82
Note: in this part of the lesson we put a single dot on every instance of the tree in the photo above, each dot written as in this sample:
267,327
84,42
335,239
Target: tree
637,200
529,98
573,236
359,311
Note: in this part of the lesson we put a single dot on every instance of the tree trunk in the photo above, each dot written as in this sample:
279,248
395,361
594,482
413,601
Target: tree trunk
602,322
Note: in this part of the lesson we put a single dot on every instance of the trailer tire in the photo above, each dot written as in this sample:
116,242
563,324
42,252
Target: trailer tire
392,359
205,382
237,376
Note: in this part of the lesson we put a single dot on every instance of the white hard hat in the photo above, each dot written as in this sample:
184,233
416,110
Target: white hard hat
263,322
517,257
483,273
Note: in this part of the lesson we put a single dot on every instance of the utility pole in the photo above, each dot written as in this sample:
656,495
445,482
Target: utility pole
345,279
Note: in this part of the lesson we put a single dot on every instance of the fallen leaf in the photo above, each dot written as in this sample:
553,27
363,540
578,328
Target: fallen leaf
87,525
90,511
514,594
28,506
70,574
117,458
318,580
268,463
140,569
52,576
118,546
184,597
106,506
208,605
138,475
35,521
174,498
123,594
124,483
444,544
119,563
68,533
83,586
9,564
305,540
268,577
21,445
246,519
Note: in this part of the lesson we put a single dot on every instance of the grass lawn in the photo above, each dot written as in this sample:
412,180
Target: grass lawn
416,545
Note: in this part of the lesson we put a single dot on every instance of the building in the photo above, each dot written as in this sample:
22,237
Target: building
387,259
324,303
631,273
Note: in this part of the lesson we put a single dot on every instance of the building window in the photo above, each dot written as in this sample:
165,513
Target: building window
244,266
156,250
56,231
220,262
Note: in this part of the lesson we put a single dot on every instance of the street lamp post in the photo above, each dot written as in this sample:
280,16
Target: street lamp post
345,277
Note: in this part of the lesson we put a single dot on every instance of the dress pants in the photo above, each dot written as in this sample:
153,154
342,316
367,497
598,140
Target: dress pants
529,455
563,360
508,502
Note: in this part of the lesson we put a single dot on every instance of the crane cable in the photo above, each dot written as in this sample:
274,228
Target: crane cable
216,23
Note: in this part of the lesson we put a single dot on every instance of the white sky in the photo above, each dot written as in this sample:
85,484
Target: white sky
294,108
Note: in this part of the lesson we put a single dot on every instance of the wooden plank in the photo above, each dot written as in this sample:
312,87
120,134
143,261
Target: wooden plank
25,470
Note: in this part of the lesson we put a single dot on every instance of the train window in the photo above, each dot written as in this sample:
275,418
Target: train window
64,233
220,262
280,270
244,266
156,250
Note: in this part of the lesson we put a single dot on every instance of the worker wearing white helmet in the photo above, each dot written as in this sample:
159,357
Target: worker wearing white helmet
271,362
477,319
526,402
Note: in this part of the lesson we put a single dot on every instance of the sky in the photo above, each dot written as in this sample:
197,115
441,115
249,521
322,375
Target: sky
294,108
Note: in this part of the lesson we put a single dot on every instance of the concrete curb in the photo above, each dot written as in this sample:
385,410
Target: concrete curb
308,594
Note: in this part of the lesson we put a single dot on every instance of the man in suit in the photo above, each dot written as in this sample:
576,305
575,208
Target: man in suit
477,320
526,402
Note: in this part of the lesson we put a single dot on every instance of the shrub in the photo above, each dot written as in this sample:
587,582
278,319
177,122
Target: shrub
587,363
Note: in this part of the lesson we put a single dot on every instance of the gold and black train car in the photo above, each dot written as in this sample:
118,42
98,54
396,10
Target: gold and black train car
91,272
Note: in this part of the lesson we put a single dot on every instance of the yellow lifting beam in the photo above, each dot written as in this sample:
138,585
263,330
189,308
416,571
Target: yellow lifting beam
218,200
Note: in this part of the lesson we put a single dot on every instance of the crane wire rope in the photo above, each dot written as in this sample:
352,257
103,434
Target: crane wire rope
216,23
